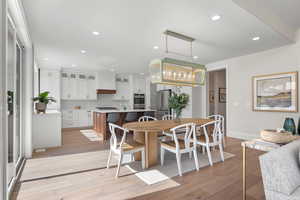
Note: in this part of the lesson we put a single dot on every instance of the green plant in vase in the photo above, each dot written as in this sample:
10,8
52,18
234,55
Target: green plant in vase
42,100
177,102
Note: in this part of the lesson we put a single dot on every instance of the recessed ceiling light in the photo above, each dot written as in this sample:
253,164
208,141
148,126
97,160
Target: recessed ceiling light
73,65
112,70
215,17
256,38
96,33
83,51
142,74
156,47
46,58
195,57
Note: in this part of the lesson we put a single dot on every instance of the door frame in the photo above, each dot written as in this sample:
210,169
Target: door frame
205,99
3,101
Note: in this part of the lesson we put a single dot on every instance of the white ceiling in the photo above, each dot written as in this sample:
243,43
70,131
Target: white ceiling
288,11
130,28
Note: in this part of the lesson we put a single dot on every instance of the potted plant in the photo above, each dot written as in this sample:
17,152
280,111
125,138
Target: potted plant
177,102
42,100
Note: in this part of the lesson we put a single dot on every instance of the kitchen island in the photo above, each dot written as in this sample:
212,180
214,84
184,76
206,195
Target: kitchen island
100,124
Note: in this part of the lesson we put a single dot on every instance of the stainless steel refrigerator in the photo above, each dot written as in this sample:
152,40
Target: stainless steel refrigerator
162,102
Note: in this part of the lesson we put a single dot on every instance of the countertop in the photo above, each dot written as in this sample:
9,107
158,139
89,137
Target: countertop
122,110
48,112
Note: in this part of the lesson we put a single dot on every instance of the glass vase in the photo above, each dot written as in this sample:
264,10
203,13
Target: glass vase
289,125
177,115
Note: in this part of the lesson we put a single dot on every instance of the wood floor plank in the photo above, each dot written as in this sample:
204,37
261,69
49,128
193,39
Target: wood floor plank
223,181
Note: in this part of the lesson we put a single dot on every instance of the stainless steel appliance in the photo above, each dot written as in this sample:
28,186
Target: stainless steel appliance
162,102
138,101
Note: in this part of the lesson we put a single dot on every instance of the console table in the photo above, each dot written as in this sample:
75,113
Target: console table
257,144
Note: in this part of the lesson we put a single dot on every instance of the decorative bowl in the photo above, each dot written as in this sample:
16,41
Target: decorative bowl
282,137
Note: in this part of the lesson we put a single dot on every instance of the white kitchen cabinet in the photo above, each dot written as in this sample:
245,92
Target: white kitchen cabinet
76,118
72,86
50,81
92,87
82,86
78,86
123,88
139,84
46,130
106,80
90,118
65,92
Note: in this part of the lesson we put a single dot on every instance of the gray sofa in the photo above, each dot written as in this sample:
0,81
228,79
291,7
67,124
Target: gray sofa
280,170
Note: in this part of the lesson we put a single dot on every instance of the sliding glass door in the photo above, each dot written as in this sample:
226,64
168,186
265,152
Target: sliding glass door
14,103
10,101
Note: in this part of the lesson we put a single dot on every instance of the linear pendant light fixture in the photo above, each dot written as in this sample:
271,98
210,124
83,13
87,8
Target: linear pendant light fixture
171,71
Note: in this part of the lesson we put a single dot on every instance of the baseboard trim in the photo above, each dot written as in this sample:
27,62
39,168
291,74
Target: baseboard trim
242,135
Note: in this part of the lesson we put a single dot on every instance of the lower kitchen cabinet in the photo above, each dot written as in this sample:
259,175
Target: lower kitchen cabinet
77,118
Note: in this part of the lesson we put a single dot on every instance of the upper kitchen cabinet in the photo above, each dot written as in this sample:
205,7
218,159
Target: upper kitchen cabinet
92,84
50,81
122,87
78,86
106,80
139,84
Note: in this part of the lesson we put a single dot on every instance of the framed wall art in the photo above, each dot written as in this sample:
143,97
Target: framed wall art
275,92
222,95
211,96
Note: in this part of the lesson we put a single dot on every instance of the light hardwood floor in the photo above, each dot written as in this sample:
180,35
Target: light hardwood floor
223,181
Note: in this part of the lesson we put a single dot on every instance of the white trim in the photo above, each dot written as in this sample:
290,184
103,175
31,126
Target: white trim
3,136
205,97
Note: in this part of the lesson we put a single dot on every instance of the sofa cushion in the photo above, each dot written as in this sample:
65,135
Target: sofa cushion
281,169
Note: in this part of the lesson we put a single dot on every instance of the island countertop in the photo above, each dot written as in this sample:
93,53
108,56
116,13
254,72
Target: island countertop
122,110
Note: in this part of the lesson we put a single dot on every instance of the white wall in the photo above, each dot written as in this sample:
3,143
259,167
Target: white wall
242,121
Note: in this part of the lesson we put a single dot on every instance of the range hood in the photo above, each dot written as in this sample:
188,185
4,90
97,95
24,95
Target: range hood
103,91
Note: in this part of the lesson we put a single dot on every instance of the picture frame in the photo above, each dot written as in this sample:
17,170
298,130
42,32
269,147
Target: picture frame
211,96
222,95
275,92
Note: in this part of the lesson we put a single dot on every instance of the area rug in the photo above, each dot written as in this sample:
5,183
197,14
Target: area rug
91,135
41,168
160,173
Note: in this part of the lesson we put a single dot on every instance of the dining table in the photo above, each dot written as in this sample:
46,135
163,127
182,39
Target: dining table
147,133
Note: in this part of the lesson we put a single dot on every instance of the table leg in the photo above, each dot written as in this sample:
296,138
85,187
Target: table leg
244,173
151,144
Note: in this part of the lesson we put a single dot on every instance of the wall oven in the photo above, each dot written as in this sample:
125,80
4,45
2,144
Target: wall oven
138,101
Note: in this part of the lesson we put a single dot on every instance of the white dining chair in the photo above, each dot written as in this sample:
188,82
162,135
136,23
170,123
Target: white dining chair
123,147
222,126
166,133
187,145
167,117
146,119
207,141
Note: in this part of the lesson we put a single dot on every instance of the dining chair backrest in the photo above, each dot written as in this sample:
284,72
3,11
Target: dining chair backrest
167,117
216,135
113,139
221,118
146,119
189,134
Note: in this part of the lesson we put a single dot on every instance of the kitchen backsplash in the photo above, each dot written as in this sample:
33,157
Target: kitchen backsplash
102,100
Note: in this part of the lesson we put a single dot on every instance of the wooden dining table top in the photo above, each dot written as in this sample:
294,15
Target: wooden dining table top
163,125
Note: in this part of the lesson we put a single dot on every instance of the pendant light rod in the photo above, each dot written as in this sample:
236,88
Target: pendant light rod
179,36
